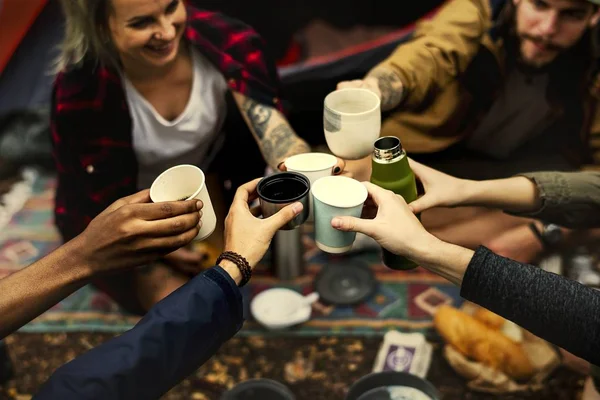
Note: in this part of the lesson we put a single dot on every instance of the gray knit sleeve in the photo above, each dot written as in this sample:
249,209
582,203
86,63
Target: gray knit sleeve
550,306
570,199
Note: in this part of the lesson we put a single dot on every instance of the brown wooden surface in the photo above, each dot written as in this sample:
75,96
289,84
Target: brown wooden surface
313,368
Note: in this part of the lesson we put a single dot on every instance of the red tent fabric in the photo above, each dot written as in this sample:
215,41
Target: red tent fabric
16,17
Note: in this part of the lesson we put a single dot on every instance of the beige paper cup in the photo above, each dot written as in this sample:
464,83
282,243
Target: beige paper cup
314,166
186,182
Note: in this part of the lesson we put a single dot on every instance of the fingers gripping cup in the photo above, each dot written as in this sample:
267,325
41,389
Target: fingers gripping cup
186,182
336,196
352,122
279,190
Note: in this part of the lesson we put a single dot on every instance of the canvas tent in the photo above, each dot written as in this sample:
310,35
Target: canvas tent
29,33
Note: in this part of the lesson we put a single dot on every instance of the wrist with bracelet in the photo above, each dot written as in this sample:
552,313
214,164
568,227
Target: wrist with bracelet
240,262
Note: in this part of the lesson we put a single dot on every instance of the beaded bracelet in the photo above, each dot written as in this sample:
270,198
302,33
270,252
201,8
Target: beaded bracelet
240,262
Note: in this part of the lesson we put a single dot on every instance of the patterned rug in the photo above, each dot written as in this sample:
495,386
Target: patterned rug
403,300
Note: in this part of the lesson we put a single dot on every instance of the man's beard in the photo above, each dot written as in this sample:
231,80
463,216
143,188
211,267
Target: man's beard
549,47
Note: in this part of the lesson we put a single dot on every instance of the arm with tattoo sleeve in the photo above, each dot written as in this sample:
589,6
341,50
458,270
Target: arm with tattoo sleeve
389,85
273,133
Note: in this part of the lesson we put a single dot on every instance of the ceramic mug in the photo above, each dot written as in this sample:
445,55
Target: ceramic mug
352,122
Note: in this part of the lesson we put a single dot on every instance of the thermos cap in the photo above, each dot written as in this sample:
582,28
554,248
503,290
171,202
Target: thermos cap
387,149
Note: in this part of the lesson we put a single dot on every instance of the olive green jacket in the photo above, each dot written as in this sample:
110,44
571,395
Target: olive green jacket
570,199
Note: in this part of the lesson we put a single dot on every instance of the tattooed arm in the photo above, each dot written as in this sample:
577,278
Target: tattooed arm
389,85
273,133
384,82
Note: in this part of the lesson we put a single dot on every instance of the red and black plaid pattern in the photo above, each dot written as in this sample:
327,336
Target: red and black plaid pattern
92,128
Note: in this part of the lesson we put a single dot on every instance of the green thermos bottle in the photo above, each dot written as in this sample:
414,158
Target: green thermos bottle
391,171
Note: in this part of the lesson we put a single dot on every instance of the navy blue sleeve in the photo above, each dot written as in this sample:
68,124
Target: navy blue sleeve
559,310
175,338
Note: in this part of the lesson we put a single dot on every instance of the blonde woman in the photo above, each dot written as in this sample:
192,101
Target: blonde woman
145,85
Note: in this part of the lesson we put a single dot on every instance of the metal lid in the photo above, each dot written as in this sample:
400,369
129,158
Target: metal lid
387,148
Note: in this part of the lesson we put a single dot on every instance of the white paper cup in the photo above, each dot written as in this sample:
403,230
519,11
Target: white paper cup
336,196
352,122
314,166
186,182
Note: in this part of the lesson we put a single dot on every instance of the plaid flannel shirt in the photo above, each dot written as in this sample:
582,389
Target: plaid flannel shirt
92,128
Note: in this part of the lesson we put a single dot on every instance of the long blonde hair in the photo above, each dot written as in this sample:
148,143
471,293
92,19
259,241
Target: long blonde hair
86,34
